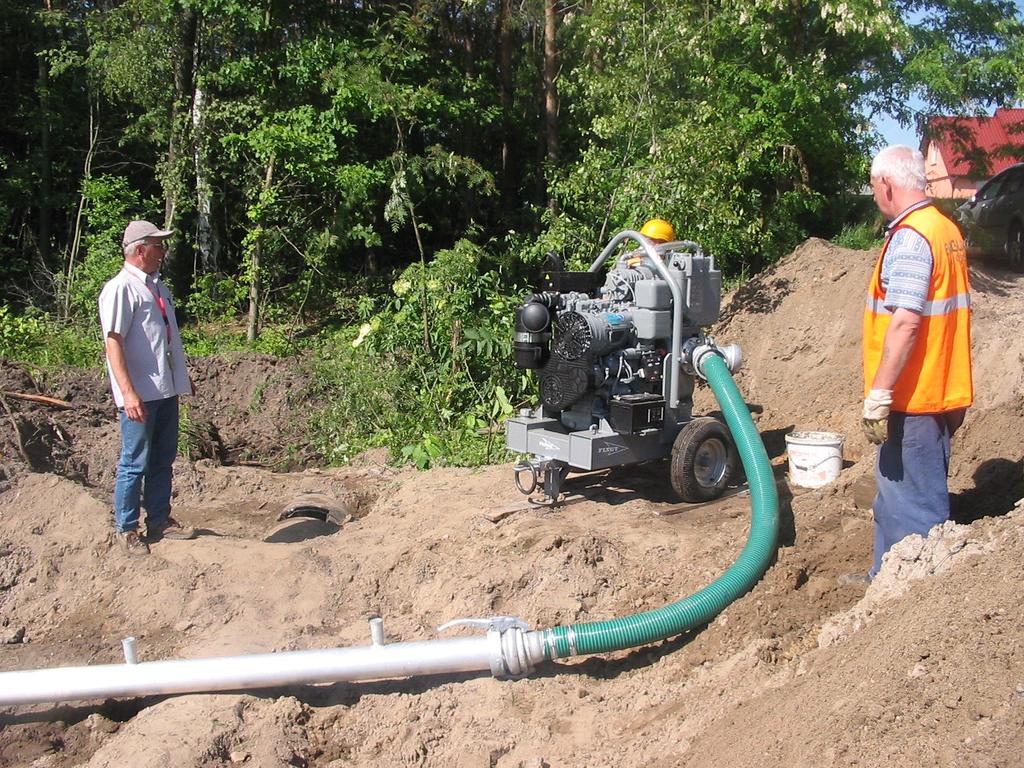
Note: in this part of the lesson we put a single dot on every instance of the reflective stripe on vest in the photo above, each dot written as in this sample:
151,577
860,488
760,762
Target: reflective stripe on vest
931,308
937,375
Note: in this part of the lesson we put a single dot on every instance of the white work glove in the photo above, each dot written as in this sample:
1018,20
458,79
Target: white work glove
876,412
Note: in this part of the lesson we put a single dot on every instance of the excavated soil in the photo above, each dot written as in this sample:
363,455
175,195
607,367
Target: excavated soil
924,667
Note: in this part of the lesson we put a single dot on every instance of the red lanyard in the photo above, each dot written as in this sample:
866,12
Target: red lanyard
163,309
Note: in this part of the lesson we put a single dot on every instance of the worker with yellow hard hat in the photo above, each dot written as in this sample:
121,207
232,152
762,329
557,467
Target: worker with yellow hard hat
658,231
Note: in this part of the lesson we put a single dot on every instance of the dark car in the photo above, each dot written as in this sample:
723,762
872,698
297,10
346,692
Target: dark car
993,219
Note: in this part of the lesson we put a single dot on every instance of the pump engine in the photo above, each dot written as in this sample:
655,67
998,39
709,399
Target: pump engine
616,354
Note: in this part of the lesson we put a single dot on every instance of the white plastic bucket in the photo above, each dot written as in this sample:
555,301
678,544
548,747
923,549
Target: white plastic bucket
815,458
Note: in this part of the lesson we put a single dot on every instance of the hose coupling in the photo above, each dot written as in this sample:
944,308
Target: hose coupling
696,349
512,643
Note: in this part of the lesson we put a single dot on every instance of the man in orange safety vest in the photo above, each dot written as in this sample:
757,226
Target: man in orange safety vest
916,351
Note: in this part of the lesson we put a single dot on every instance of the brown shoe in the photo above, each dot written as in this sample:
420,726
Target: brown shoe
170,529
132,543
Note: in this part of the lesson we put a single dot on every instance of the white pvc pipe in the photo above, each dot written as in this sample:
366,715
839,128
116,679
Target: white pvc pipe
377,631
263,670
131,655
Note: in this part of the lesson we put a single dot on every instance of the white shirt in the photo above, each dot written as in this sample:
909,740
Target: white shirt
129,307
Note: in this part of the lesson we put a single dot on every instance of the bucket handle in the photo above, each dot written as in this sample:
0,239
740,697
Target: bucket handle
808,467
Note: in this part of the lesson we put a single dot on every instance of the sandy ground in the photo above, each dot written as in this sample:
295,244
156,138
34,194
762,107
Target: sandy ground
925,667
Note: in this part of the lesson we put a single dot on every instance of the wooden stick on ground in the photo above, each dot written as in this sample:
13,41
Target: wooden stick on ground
38,399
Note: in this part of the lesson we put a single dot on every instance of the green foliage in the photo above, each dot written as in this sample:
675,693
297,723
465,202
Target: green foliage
320,145
275,340
37,338
110,203
71,344
856,222
430,373
960,56
20,336
200,342
220,337
736,129
734,282
189,443
861,237
216,297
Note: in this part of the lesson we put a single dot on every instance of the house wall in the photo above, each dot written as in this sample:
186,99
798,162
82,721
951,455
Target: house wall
957,187
940,183
965,187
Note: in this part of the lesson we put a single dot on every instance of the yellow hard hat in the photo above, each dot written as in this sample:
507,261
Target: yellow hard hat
658,229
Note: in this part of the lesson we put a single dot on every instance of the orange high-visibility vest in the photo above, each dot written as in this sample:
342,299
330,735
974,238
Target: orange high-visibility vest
937,376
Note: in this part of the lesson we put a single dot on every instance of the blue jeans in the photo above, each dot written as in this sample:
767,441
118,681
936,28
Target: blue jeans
144,470
913,465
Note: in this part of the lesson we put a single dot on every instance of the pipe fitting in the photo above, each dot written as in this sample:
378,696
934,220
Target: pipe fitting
515,658
733,355
697,349
131,655
377,631
698,358
513,652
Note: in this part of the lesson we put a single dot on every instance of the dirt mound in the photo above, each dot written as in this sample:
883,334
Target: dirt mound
249,410
923,668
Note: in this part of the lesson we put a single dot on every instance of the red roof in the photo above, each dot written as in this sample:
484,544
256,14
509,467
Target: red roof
978,147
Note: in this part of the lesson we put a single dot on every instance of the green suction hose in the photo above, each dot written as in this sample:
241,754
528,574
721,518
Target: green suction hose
704,605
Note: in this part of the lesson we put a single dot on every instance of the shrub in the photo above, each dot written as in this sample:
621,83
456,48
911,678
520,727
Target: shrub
110,204
37,338
862,237
430,372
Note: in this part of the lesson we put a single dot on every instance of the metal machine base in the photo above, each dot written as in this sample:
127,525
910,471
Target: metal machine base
556,451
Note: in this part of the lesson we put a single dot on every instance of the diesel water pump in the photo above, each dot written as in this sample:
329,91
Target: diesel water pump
616,353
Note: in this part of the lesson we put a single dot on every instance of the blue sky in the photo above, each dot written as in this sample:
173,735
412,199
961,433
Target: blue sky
894,133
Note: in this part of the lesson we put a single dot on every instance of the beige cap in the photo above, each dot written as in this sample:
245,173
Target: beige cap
138,230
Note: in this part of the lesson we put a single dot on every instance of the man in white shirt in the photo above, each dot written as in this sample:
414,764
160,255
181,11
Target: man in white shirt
147,367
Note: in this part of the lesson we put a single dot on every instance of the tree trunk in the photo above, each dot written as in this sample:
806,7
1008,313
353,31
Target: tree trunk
45,160
177,137
208,240
423,276
550,90
76,236
505,29
255,283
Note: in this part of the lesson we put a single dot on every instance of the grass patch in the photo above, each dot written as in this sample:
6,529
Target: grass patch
862,237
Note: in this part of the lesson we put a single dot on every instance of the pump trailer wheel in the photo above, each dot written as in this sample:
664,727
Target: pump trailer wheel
704,460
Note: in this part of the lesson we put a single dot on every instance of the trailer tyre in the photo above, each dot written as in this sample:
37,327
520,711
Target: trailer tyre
704,460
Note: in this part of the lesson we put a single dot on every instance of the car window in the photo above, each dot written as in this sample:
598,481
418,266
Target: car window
1013,183
990,190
